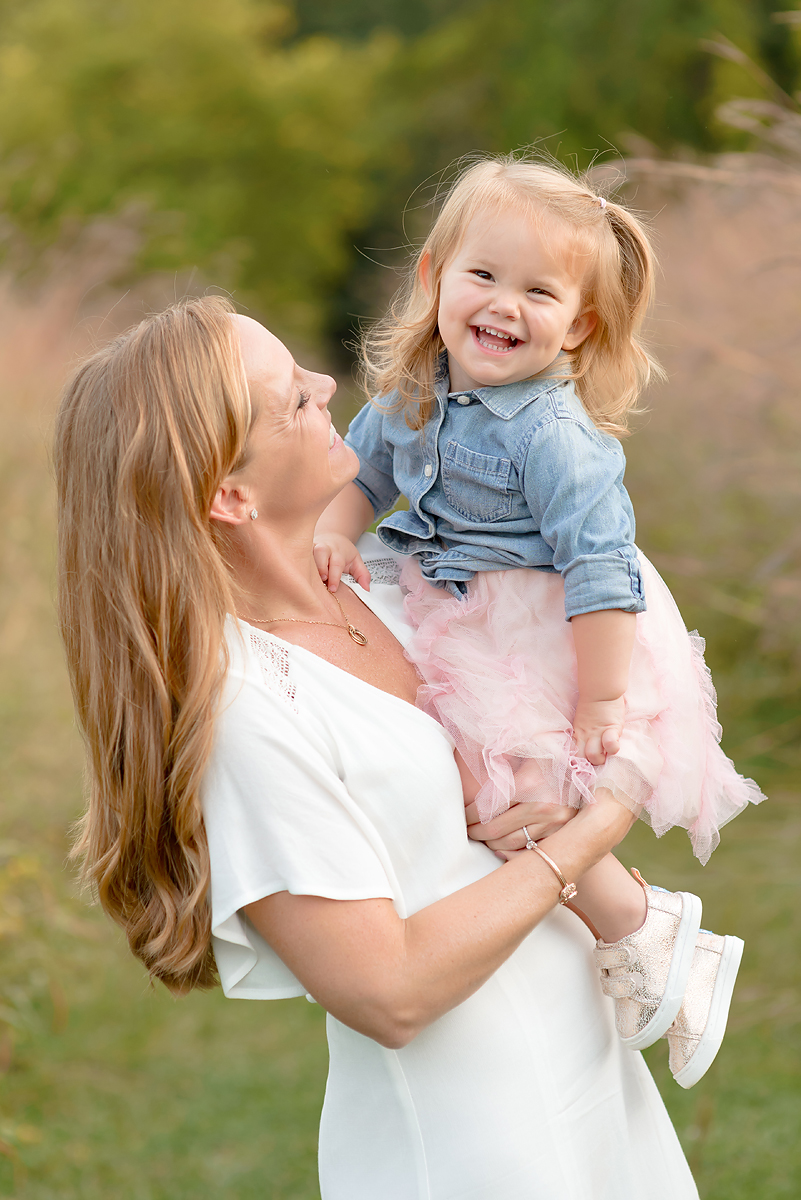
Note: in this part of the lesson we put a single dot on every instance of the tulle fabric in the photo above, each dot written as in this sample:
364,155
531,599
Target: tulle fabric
499,671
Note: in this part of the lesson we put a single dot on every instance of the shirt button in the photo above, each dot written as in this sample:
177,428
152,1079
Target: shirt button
427,470
462,399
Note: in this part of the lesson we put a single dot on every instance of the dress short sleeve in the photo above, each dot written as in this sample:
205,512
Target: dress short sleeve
278,818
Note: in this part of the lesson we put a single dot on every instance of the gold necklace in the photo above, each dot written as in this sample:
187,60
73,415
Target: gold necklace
356,635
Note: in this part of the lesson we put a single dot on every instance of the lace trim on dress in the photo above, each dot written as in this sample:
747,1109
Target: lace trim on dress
382,570
274,662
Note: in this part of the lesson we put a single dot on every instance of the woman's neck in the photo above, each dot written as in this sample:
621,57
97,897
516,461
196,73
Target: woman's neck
274,574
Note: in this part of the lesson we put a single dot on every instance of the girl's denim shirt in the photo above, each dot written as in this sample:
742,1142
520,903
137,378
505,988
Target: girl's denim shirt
500,477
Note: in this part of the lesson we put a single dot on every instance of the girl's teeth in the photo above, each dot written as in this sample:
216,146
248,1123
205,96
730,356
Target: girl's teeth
332,436
506,337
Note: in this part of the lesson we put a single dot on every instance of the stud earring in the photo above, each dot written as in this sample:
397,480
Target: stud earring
253,514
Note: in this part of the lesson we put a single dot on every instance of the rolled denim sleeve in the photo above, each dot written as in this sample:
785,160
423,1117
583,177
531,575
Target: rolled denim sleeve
376,476
573,482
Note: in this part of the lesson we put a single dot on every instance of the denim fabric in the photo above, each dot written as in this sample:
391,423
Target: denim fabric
512,476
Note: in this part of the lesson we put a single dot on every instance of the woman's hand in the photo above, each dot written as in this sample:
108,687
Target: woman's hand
334,554
504,834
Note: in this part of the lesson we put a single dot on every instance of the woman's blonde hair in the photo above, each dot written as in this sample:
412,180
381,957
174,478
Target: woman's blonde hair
147,428
610,368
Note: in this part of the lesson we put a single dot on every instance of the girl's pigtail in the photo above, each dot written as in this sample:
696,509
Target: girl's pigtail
613,366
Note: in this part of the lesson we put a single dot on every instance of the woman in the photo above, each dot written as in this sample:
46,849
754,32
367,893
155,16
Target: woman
472,1054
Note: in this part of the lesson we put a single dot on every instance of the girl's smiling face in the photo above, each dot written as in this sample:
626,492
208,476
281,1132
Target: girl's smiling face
510,300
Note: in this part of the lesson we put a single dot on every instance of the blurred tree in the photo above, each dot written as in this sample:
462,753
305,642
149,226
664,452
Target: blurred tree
265,142
250,155
359,18
576,76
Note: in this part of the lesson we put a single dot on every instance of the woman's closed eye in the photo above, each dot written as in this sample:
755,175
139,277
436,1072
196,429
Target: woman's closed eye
303,400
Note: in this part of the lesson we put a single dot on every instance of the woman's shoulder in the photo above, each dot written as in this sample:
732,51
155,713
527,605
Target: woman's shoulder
257,659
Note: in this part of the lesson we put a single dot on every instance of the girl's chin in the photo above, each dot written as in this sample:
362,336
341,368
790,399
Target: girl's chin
497,374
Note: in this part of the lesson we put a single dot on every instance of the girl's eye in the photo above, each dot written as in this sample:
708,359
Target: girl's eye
539,292
304,400
482,274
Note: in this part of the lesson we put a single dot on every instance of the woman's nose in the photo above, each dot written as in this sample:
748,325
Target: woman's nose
326,386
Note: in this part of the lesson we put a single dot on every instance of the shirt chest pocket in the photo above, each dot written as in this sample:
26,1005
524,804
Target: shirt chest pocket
476,485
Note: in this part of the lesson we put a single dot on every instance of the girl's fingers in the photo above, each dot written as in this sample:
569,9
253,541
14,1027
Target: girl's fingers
359,572
336,565
594,751
610,740
322,557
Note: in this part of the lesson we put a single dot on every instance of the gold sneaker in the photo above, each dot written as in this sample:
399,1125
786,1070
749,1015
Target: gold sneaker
695,1036
646,972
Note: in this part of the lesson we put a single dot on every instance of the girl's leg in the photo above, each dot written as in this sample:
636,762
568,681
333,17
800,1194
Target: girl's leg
611,900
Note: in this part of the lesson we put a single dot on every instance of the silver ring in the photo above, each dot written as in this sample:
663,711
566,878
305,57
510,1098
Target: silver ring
530,843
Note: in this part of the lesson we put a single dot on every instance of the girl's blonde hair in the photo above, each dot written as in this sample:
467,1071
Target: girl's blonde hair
610,368
147,428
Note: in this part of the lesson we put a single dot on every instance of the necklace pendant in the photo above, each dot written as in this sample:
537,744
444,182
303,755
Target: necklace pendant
356,635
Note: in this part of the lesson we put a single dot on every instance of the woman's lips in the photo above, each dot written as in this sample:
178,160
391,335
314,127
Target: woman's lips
494,340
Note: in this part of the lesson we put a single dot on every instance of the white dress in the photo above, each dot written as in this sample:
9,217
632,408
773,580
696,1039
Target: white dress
321,784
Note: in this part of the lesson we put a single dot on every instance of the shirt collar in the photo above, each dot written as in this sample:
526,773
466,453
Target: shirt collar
505,401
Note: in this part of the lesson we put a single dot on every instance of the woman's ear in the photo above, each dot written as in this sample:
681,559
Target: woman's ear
230,505
424,272
581,329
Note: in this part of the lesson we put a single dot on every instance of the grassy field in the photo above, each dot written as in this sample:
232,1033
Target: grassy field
109,1088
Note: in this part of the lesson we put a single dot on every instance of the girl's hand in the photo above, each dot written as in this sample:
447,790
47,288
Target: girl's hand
597,728
504,834
335,554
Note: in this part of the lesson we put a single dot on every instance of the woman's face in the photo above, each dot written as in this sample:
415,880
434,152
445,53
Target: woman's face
295,461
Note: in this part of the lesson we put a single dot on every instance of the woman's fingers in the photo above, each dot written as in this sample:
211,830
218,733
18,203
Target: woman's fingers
506,831
517,816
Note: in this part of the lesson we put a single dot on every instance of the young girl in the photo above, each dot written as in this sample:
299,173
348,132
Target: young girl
549,647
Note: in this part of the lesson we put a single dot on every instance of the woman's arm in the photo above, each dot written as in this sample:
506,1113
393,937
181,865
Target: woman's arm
389,978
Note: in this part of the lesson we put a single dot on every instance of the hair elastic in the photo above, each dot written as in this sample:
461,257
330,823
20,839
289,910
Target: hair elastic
602,202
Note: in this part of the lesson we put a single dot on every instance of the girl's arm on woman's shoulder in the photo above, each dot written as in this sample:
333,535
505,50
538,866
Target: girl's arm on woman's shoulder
389,977
338,529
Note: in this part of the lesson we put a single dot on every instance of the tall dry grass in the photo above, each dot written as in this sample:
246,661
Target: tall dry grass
49,316
724,434
715,467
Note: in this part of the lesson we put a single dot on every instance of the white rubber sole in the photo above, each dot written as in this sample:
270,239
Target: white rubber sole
711,1038
679,973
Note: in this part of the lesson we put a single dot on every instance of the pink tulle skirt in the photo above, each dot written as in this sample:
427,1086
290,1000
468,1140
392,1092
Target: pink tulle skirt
499,672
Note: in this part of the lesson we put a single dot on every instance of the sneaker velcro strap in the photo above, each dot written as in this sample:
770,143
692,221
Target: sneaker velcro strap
613,956
619,988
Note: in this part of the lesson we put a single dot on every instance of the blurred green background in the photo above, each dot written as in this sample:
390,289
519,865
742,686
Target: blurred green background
290,154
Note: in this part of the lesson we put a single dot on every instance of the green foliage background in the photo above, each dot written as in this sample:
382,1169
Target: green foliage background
267,144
